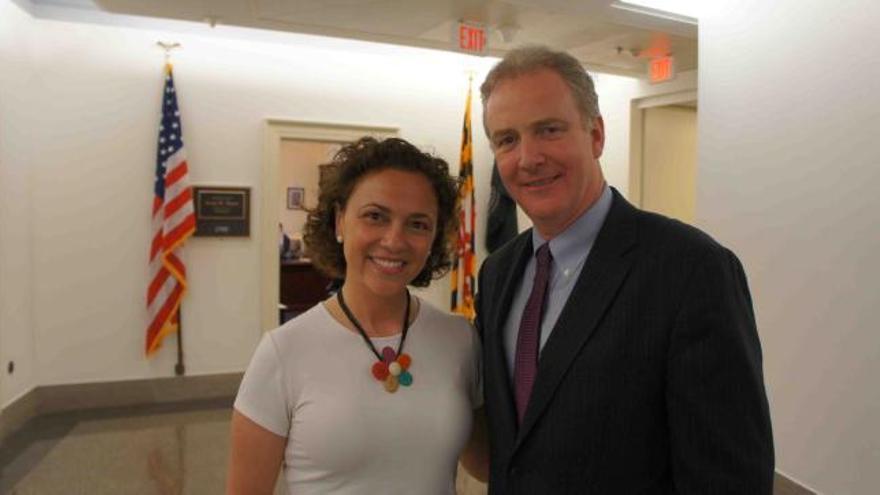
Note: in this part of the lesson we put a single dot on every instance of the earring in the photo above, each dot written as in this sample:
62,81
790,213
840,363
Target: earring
339,238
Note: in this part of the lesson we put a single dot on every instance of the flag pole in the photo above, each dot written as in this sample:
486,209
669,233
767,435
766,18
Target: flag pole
179,367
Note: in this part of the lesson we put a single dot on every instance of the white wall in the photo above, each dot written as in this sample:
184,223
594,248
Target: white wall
99,114
77,137
615,94
789,174
77,215
16,116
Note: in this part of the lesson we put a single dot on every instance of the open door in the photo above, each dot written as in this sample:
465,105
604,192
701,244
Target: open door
663,174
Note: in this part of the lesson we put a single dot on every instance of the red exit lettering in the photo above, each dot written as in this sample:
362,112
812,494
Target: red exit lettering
660,69
471,38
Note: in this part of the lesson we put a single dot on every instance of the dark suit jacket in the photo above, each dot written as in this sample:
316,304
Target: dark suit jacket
651,381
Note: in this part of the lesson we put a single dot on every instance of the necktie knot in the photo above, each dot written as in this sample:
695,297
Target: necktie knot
543,257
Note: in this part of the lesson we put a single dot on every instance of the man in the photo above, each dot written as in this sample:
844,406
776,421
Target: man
624,358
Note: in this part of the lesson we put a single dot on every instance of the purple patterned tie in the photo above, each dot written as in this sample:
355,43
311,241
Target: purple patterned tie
527,342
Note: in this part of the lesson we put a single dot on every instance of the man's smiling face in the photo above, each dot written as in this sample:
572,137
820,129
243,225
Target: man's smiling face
547,154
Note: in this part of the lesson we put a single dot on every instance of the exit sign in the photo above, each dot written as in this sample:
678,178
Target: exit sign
471,38
661,69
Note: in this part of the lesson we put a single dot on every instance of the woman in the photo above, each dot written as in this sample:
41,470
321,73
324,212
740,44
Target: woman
372,391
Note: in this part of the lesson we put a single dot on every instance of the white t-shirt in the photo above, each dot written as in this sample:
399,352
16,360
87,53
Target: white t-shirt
310,380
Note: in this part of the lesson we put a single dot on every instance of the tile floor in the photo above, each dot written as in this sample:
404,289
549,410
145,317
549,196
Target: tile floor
178,449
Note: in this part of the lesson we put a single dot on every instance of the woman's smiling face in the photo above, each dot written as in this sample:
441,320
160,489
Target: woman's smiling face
387,226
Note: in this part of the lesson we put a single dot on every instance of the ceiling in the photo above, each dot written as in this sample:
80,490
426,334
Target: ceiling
602,34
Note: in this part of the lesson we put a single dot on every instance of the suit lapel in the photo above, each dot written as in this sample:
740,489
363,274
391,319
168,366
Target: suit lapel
510,270
597,286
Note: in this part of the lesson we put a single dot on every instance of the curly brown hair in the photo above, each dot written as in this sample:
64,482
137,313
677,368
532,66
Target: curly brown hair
341,175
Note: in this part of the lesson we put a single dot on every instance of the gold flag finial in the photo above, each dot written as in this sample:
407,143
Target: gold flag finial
168,47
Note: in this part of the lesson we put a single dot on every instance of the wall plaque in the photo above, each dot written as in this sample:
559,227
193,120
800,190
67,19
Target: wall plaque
222,211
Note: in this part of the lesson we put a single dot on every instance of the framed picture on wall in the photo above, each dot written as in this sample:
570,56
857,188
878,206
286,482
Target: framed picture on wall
295,198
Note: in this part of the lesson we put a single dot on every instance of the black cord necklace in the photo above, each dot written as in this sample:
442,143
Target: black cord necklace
392,367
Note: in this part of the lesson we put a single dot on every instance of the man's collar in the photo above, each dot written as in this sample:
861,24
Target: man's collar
568,247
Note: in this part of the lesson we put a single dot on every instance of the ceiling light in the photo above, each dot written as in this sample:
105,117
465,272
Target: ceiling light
685,8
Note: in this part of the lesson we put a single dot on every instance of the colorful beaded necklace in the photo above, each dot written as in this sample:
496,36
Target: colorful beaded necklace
392,367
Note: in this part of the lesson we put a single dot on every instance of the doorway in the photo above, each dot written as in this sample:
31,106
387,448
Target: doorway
663,171
325,137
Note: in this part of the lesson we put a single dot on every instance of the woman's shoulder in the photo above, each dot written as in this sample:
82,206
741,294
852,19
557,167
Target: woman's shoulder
449,338
433,314
304,326
445,325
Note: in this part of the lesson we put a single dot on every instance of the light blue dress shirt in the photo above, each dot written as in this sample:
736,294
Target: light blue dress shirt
570,250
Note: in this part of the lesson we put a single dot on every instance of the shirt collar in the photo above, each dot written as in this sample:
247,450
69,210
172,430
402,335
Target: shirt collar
568,248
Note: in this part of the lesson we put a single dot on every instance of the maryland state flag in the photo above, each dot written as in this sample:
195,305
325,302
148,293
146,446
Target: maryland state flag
464,263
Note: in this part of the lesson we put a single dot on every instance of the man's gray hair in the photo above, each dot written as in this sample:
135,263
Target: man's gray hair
529,59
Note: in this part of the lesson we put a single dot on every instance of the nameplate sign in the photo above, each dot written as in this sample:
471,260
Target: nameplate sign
222,211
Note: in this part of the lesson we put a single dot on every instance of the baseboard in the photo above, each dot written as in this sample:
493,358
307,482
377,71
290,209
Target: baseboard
786,485
53,399
18,412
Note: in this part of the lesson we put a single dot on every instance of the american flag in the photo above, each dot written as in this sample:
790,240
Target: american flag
173,222
464,262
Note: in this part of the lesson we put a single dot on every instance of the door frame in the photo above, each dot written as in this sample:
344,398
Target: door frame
277,130
637,134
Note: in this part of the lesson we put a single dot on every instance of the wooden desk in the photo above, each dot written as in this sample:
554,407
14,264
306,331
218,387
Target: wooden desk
302,286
